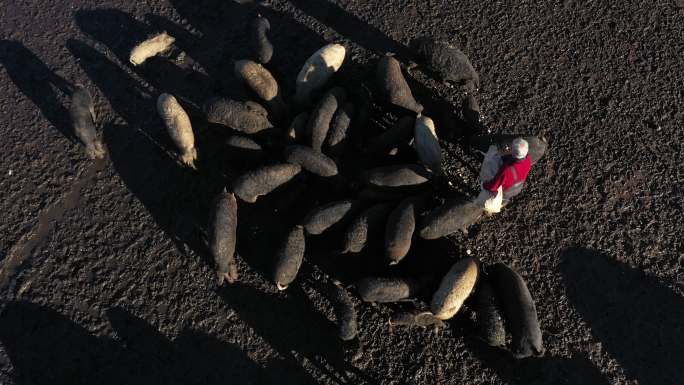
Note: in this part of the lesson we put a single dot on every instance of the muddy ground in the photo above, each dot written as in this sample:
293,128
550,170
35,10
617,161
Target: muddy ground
104,274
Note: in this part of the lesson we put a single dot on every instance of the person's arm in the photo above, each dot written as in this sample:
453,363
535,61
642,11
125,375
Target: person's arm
493,185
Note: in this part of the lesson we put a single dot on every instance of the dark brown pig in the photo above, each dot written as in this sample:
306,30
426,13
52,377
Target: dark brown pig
312,161
290,256
393,86
519,310
82,113
223,236
262,181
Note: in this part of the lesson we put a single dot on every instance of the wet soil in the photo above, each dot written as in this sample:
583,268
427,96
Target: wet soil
104,273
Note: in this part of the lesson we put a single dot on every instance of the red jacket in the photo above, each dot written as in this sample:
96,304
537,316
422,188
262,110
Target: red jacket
505,177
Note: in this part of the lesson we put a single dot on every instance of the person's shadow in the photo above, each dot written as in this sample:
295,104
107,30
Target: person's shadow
639,321
39,83
45,347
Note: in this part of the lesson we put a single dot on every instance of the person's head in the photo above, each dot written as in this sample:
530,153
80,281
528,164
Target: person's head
519,148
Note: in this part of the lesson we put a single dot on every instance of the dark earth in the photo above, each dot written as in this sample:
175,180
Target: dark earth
105,275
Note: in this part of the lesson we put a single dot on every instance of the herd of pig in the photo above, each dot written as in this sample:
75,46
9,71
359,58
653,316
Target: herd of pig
316,122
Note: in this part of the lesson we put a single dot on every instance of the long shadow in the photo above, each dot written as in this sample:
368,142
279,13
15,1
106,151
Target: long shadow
321,249
138,149
39,83
219,36
46,347
636,318
288,58
292,324
264,225
289,324
120,32
174,196
197,75
449,124
142,154
198,358
116,29
224,30
544,370
350,26
376,41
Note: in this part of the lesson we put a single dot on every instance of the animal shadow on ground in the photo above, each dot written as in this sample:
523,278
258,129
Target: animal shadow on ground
536,371
224,38
172,195
638,320
222,32
45,347
171,72
449,124
38,82
178,199
142,154
350,26
292,324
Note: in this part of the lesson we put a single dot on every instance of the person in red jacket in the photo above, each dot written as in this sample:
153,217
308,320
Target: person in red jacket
512,173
